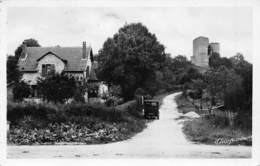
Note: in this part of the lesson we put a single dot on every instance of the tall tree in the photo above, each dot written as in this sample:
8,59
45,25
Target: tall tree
13,74
29,43
220,81
130,59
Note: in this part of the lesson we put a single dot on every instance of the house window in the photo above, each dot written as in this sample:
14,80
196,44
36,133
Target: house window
48,69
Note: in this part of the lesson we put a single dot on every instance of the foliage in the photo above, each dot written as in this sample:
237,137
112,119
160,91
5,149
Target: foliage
21,90
220,80
242,98
130,58
188,75
49,123
29,43
63,112
13,74
208,130
79,93
56,87
93,131
216,61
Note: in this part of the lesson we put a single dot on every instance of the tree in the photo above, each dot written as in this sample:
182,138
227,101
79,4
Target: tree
242,98
220,80
199,85
216,61
13,74
21,90
188,75
180,62
130,59
57,87
29,43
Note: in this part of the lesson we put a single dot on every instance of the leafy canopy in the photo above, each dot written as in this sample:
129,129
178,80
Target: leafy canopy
130,58
57,87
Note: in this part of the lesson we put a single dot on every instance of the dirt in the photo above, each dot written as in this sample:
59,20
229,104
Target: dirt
162,138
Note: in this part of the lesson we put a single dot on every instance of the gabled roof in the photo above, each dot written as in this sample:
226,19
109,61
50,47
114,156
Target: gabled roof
73,56
64,60
92,75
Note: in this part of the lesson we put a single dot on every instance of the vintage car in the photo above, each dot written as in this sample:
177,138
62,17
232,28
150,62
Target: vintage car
151,109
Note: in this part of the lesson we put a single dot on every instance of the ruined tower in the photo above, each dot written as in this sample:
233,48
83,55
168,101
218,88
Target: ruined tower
213,47
202,50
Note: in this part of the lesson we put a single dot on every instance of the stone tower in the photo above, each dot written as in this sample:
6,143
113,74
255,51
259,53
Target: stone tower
213,47
200,51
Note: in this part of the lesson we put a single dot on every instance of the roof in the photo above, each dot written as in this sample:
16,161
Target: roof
93,76
201,37
73,56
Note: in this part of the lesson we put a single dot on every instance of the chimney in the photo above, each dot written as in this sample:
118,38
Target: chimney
84,51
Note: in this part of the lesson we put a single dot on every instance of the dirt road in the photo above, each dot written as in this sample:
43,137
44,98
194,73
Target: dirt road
161,139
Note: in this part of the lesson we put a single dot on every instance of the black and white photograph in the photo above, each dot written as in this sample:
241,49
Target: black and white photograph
129,82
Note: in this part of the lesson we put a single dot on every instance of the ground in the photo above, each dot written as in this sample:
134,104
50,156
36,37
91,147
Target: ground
162,138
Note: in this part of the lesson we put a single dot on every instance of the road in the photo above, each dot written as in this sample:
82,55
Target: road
162,138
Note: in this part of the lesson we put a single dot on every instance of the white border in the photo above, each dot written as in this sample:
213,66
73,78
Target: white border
127,3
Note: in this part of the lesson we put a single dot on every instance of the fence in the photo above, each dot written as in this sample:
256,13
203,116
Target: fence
229,115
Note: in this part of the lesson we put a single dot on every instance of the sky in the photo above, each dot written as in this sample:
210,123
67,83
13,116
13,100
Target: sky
174,27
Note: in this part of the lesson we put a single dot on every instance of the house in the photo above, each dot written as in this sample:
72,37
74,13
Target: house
39,62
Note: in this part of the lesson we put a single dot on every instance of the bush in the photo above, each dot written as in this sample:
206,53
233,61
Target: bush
57,87
61,112
21,90
209,130
79,123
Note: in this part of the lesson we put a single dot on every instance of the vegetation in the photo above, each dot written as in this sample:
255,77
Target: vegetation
13,74
57,87
130,59
71,123
21,90
211,130
29,43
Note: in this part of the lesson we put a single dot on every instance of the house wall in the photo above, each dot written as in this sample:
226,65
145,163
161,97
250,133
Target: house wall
30,78
51,59
77,75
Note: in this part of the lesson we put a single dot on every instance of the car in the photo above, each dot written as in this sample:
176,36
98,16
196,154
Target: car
151,109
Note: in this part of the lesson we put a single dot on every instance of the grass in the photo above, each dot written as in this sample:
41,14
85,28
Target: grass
204,130
211,130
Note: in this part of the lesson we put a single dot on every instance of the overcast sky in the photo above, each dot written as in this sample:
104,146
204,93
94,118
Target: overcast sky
175,27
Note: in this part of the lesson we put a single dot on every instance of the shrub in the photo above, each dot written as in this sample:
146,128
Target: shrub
57,87
21,90
61,112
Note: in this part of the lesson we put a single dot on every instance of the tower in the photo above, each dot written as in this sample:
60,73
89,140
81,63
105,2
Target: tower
200,51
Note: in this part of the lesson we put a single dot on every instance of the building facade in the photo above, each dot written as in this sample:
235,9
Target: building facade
39,62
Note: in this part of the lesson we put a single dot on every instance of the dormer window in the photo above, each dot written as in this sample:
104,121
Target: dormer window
48,69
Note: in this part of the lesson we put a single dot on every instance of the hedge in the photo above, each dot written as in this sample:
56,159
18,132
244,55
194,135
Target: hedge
64,112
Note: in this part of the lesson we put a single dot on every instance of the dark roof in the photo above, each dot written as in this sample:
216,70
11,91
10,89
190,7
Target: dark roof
73,56
92,75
